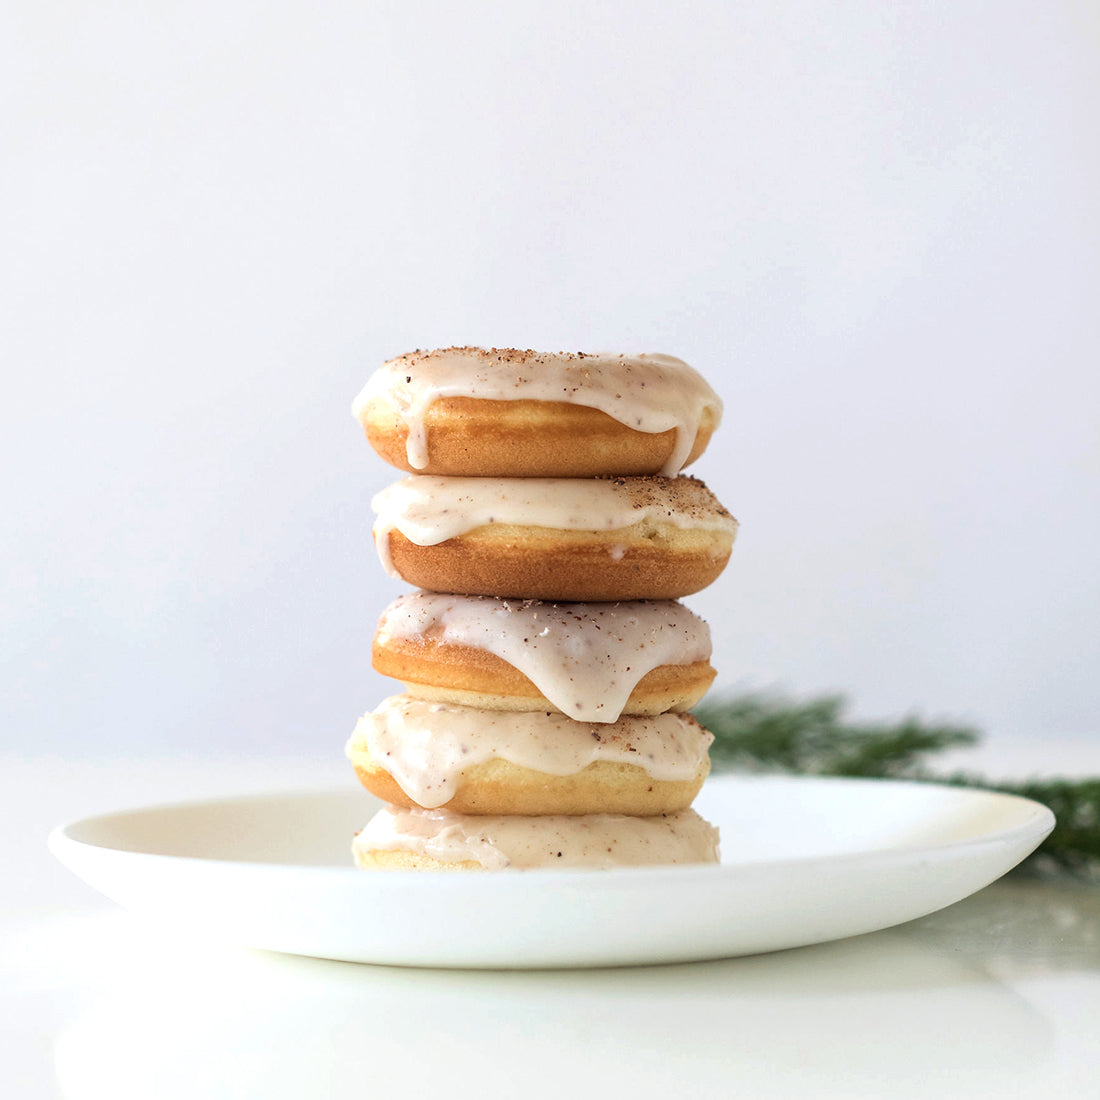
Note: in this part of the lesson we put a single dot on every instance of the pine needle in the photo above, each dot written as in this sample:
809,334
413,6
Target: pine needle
769,733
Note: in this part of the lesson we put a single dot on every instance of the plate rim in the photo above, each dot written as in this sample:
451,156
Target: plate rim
1035,827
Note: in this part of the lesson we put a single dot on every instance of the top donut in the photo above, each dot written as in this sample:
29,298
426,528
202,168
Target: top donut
499,412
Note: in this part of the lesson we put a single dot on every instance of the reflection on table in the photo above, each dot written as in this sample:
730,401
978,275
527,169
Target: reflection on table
927,1007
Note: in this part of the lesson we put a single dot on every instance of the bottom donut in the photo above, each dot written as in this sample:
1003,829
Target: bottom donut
398,839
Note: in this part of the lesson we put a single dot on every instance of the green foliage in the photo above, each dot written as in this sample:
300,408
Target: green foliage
766,733
761,733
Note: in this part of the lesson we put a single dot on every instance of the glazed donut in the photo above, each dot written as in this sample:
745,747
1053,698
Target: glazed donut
410,752
437,840
592,661
476,412
588,539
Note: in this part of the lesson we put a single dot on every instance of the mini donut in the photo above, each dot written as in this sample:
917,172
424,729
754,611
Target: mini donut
567,539
476,412
410,752
592,661
438,840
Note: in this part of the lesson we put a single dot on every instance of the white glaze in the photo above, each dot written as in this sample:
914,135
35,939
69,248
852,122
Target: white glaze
649,393
428,510
501,843
585,658
427,746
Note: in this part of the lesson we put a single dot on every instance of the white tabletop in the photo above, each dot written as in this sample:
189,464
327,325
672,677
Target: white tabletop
998,995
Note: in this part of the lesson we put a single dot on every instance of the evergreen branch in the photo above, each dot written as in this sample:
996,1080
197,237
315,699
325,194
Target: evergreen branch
767,733
761,733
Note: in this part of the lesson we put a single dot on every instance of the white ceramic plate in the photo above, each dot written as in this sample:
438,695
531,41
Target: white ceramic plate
804,861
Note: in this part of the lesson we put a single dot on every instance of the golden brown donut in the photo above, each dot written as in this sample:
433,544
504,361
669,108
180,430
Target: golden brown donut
476,412
413,753
592,661
650,538
471,437
499,787
473,677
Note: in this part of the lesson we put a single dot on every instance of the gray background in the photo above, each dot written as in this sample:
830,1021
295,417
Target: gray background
872,226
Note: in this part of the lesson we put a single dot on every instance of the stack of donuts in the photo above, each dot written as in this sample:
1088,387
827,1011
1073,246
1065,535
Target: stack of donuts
548,667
